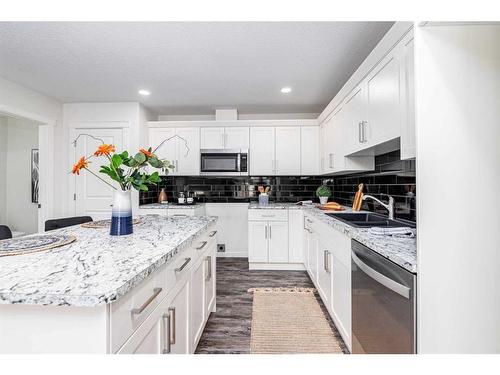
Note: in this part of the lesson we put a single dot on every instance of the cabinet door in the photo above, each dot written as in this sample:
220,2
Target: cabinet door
262,159
188,152
197,302
212,138
312,256
383,106
324,273
287,151
322,148
237,137
210,286
309,150
169,149
352,120
328,148
257,241
179,321
278,242
295,236
407,79
341,298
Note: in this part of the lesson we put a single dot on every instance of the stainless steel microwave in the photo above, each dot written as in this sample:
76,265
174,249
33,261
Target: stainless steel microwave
230,162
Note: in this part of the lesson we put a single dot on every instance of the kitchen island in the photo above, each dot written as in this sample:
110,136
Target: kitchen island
149,292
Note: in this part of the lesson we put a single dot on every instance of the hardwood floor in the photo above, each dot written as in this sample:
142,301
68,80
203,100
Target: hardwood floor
228,330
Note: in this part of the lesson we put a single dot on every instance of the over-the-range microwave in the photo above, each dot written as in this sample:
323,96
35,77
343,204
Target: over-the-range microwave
224,162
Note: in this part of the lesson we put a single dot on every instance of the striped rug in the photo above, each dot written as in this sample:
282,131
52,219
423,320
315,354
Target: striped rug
289,321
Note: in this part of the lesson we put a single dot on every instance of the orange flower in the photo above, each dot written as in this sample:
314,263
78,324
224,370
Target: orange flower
82,163
104,149
149,154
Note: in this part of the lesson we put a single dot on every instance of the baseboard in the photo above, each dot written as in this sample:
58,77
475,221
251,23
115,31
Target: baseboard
232,255
277,266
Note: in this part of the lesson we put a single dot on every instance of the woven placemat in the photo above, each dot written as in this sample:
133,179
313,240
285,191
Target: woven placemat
104,223
33,244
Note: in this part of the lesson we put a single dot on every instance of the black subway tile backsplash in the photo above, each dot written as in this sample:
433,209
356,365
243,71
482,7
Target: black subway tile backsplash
391,176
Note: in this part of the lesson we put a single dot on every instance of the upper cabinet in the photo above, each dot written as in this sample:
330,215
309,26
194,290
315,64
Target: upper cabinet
287,159
182,150
407,80
225,138
309,146
262,158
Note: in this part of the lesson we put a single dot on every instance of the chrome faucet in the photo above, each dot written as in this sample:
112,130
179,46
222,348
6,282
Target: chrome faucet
389,207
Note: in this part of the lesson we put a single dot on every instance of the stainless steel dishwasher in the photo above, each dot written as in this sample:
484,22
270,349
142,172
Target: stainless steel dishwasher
383,304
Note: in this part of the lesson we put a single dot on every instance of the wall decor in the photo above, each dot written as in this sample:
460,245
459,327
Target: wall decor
35,175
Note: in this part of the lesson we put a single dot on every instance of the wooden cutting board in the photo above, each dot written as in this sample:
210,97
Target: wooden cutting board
358,198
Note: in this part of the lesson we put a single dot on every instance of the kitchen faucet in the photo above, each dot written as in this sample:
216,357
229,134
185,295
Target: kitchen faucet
389,207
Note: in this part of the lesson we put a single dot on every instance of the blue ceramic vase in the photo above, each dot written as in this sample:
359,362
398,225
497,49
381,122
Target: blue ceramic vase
121,216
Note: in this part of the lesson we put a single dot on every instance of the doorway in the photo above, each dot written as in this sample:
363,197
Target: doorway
20,178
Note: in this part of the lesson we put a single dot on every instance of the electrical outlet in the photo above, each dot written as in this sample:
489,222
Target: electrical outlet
221,248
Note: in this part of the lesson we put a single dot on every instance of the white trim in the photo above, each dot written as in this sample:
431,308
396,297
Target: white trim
241,254
16,112
98,124
232,123
277,266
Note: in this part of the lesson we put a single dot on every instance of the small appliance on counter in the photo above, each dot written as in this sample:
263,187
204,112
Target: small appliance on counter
184,199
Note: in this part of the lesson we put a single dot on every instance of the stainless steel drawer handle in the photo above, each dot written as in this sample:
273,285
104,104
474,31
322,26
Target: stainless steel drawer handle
139,310
268,215
209,272
360,131
212,233
173,327
396,287
326,261
179,215
203,244
186,261
166,333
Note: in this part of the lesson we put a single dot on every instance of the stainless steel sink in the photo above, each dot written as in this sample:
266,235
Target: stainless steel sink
370,219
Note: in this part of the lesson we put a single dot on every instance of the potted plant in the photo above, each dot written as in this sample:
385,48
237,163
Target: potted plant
323,193
126,170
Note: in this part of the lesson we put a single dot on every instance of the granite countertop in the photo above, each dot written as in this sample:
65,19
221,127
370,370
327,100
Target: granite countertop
97,268
171,205
400,250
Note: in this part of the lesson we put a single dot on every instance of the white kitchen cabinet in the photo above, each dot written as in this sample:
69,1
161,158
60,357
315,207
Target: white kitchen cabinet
278,242
287,152
237,137
354,119
197,302
262,156
225,137
341,298
179,321
311,241
309,150
257,242
324,258
212,138
383,110
295,236
210,261
407,81
184,155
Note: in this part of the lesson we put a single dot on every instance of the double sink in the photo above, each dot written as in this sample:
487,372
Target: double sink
370,219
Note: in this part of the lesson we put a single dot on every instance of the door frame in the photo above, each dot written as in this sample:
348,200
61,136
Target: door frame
46,133
91,125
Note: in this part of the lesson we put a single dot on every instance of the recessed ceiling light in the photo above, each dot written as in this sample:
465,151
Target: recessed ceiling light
144,92
286,90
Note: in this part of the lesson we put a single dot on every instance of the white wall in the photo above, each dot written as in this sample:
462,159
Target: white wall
458,177
17,210
3,171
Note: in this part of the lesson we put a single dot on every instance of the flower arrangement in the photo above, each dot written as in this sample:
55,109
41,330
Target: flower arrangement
125,169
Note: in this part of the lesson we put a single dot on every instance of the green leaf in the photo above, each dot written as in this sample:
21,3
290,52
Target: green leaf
116,160
140,158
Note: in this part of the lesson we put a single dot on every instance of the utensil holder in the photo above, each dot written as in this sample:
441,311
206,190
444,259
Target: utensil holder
263,199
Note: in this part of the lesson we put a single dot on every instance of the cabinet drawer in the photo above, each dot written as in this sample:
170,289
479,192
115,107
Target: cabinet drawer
268,215
132,309
181,212
152,211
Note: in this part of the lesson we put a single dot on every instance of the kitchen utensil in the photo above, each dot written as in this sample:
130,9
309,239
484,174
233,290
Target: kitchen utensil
358,198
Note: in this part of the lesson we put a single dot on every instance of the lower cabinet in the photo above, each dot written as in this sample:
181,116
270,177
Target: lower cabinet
328,263
176,324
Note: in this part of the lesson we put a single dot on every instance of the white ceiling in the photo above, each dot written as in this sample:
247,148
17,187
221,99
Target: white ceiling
190,68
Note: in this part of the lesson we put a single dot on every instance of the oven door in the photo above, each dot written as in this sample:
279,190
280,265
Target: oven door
220,162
